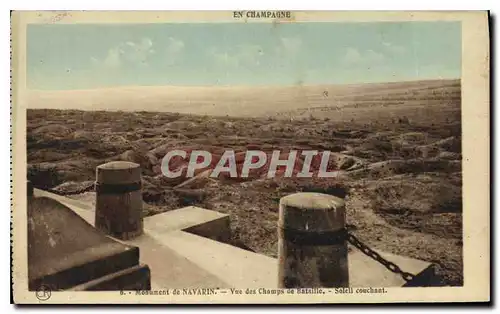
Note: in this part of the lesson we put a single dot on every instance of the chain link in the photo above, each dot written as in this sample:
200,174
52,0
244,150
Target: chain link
376,256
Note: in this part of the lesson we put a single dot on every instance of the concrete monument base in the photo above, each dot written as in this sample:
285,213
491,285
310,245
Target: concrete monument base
182,259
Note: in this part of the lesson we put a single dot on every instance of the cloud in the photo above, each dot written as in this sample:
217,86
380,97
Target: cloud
353,56
138,52
131,52
245,55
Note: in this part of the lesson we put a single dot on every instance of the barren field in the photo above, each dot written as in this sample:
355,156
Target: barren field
397,145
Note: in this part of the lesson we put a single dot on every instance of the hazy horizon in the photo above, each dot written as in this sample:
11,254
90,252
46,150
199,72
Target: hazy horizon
91,56
247,86
242,101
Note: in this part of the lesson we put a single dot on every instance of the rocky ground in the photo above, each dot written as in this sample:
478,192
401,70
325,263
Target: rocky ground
401,180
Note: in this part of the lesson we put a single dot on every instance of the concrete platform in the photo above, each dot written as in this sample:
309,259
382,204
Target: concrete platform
178,247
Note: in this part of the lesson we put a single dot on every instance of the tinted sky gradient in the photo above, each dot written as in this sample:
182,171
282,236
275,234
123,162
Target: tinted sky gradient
83,56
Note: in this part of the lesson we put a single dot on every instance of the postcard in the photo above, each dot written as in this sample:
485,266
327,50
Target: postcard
255,157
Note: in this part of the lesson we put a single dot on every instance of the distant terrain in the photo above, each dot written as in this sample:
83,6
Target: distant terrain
398,146
337,102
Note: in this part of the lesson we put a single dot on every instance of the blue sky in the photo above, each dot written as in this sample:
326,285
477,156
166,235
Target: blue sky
82,56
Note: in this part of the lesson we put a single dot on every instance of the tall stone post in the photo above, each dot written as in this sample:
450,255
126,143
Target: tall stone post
119,199
312,244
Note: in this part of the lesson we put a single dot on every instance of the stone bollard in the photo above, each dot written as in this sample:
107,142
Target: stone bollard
312,243
119,199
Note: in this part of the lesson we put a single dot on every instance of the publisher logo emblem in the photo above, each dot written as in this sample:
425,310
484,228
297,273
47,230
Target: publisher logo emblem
43,293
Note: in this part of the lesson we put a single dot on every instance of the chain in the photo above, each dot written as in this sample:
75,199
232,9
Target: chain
374,255
80,191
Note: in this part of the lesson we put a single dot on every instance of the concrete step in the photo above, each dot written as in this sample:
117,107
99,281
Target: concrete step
169,269
206,223
238,268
